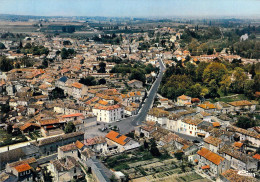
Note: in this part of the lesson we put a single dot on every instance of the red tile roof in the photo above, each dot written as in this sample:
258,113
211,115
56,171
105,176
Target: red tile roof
49,122
79,145
213,141
205,167
257,156
27,125
77,85
22,167
116,137
72,115
184,97
241,103
211,156
207,105
238,144
108,107
216,124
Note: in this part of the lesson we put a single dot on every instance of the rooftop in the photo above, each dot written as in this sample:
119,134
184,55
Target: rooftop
213,141
211,156
118,138
22,167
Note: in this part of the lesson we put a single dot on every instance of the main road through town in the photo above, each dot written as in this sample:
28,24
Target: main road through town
150,98
128,124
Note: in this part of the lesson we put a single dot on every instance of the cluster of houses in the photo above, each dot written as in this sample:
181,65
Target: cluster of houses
28,94
224,147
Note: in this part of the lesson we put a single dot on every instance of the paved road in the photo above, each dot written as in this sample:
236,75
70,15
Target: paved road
150,98
127,125
188,137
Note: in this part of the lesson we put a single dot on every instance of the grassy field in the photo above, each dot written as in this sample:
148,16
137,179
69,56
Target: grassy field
8,139
230,98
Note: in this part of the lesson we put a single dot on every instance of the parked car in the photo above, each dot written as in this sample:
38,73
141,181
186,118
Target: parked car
196,141
102,129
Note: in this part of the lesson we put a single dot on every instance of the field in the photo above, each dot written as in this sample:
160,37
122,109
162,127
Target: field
230,98
8,139
142,166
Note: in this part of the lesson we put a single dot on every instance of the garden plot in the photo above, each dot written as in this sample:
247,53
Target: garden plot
142,163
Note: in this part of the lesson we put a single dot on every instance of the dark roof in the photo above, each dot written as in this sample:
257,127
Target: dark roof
50,140
16,154
65,164
63,79
100,170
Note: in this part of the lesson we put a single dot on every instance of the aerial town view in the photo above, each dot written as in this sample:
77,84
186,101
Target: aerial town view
127,90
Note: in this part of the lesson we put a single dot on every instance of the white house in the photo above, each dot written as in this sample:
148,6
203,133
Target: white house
157,115
183,100
109,114
189,126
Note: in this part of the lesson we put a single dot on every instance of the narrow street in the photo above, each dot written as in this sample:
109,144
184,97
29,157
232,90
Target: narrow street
150,98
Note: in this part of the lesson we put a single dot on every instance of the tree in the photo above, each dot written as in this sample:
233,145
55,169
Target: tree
178,155
64,53
9,129
191,70
45,63
28,46
102,81
239,79
89,81
138,75
2,46
249,89
257,82
225,84
195,90
149,68
5,108
214,71
213,89
102,67
154,150
57,93
5,64
245,122
199,70
252,70
175,86
146,146
70,127
46,174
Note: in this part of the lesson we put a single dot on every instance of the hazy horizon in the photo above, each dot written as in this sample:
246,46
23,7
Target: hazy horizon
133,8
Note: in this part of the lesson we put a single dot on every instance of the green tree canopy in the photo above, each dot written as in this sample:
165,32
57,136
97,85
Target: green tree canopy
239,79
102,67
5,64
102,81
70,127
2,46
214,71
138,75
89,81
57,93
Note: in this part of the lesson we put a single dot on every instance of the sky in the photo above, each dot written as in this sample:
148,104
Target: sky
132,8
